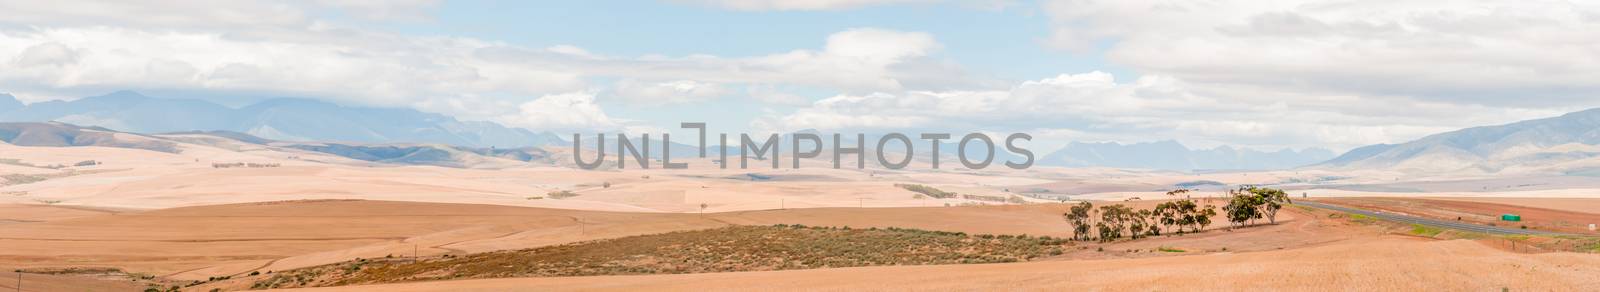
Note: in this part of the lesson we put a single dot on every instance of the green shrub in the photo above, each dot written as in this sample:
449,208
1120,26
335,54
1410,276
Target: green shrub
927,190
562,194
1419,229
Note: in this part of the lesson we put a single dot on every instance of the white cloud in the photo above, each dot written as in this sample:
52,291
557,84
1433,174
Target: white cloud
574,111
771,95
671,92
1301,73
384,9
1096,107
860,60
66,53
759,5
373,68
169,14
813,5
1514,53
366,69
880,46
854,60
207,14
47,54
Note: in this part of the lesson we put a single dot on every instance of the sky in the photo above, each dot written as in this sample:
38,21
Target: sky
1257,74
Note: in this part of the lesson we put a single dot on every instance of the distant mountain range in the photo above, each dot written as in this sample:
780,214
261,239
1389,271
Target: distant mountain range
1170,155
277,119
55,134
1568,144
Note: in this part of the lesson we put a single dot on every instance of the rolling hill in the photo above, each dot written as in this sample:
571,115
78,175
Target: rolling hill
65,135
1567,144
1170,155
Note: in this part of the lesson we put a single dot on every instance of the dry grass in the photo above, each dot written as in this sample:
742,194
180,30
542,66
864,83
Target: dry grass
729,249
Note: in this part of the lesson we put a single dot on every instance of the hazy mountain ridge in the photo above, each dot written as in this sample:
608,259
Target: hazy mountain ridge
278,119
9,103
65,135
1568,144
1563,144
55,134
1171,155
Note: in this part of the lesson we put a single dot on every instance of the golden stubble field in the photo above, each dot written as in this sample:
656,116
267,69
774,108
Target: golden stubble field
175,218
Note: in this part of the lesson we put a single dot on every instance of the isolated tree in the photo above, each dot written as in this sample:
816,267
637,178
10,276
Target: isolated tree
1270,201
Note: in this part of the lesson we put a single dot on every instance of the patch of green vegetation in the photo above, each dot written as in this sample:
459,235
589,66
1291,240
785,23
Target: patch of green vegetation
1198,183
930,191
562,194
17,178
1169,249
1468,234
1014,199
1363,219
728,249
996,199
1429,231
18,162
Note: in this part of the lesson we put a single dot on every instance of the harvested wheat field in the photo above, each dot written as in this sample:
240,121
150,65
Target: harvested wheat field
138,218
198,243
220,246
1388,264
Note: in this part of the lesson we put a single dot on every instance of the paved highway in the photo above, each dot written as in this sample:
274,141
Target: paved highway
1458,225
